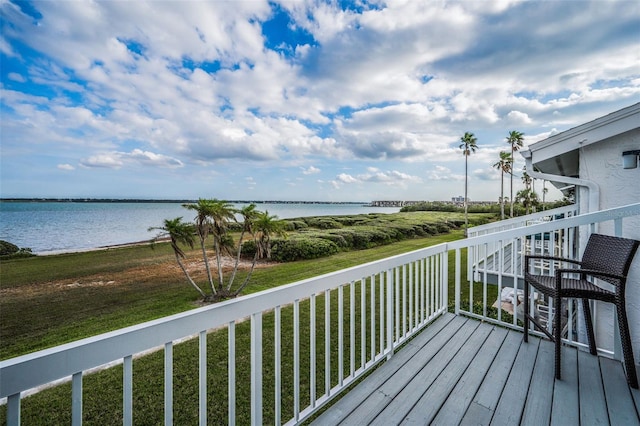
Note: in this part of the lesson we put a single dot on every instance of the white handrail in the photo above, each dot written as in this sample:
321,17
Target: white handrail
404,293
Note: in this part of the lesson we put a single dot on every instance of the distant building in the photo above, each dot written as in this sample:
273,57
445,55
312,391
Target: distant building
459,199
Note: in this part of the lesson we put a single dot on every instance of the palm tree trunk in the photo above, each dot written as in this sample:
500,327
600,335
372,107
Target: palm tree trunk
206,265
235,267
246,280
218,259
502,194
511,199
186,273
466,219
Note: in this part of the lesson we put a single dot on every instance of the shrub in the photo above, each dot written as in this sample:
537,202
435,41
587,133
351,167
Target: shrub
295,224
337,239
11,251
8,248
302,248
323,223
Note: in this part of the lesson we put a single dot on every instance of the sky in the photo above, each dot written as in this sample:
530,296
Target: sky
298,100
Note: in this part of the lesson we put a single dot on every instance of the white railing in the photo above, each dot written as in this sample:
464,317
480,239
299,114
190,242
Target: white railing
496,261
327,331
520,221
338,325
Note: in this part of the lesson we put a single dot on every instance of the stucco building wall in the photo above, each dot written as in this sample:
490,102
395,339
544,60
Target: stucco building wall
602,163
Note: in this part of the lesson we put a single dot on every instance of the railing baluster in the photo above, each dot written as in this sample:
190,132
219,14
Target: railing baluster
312,350
352,330
390,285
76,399
278,365
484,283
423,293
457,282
403,299
411,307
296,360
327,343
429,277
168,384
232,373
383,304
396,291
202,377
445,279
127,391
256,368
363,322
340,334
13,410
373,317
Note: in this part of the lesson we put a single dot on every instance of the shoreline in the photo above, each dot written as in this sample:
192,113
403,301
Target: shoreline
108,247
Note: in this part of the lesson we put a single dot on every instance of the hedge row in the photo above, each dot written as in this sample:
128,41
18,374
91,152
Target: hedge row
310,238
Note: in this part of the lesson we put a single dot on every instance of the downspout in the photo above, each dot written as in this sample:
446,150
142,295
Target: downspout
593,205
592,188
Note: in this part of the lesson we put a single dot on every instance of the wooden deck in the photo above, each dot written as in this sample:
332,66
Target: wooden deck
462,371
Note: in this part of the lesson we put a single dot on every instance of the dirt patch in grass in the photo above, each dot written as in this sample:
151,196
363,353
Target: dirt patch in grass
167,271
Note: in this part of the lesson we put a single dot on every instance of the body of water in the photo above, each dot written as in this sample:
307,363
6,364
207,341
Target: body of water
49,227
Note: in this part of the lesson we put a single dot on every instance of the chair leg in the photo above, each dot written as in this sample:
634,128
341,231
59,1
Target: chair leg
526,312
627,350
587,318
558,333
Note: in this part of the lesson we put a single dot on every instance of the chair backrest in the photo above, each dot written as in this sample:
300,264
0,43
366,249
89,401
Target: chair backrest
609,254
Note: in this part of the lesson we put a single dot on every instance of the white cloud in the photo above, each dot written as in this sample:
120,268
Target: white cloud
116,160
14,76
116,84
67,167
311,170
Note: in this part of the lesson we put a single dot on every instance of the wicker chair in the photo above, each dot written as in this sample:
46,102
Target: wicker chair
606,258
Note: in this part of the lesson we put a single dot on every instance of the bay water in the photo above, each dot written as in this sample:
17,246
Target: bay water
56,227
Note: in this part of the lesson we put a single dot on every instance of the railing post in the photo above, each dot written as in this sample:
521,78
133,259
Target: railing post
445,278
13,410
168,384
202,377
457,282
256,368
127,391
390,316
76,399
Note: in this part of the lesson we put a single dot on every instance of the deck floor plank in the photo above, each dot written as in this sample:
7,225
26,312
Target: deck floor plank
616,391
351,400
566,406
514,395
455,406
539,400
400,393
428,405
593,406
461,371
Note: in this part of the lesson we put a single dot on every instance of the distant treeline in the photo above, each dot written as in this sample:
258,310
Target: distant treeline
518,209
146,200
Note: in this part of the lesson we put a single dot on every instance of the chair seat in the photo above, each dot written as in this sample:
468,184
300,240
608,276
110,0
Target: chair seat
578,288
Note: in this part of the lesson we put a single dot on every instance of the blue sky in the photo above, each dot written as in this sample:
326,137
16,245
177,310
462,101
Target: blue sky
297,100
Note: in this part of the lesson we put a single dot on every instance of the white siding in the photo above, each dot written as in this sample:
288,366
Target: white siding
602,163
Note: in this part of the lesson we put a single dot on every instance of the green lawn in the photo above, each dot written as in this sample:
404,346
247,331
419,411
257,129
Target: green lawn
34,317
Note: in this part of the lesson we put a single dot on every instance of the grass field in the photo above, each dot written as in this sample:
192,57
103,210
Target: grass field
51,300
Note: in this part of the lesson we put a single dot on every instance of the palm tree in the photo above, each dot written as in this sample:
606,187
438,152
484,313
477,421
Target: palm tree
504,165
468,145
265,226
515,139
179,232
203,227
249,215
221,213
528,198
